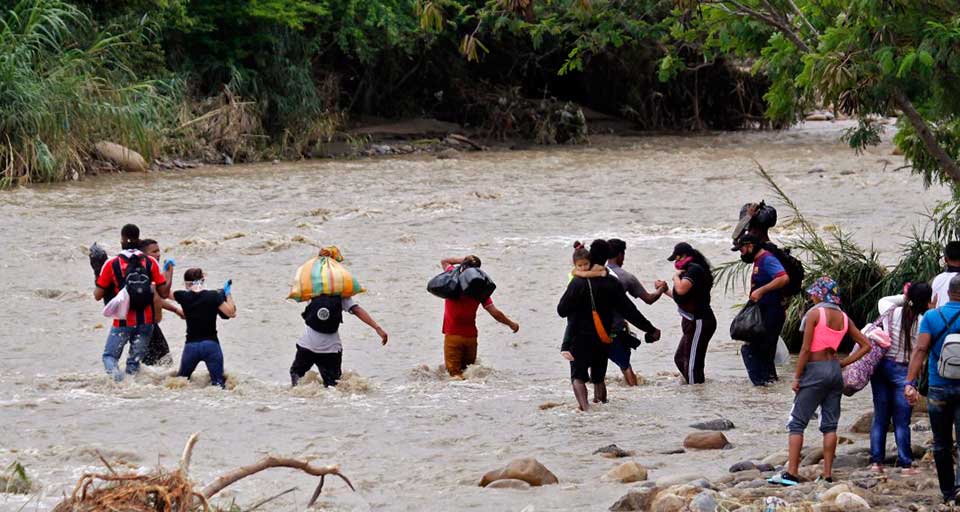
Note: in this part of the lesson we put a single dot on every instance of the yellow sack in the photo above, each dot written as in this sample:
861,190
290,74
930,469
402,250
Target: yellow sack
324,275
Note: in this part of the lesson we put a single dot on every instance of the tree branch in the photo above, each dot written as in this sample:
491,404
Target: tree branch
188,453
230,477
803,18
947,164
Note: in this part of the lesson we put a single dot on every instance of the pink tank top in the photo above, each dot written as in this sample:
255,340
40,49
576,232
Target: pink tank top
824,337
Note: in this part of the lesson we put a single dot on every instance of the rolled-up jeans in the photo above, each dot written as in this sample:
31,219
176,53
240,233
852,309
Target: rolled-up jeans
138,336
943,406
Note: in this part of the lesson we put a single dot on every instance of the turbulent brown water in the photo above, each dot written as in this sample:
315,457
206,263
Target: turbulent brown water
409,438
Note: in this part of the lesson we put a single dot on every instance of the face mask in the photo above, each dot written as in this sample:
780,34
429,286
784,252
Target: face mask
682,262
750,256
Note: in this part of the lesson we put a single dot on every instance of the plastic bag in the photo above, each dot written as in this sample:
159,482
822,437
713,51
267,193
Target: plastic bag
476,283
783,353
119,306
446,285
323,275
748,326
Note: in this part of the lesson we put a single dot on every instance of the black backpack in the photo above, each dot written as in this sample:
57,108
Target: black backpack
792,266
137,280
324,313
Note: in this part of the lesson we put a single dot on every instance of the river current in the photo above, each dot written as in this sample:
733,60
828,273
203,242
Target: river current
409,438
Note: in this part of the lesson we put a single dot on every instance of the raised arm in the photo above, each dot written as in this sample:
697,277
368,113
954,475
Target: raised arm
365,317
229,308
447,262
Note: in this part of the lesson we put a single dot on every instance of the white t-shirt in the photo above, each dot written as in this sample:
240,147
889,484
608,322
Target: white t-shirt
321,342
941,284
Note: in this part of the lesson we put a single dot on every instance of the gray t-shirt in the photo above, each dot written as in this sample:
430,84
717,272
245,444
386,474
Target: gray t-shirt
321,342
631,284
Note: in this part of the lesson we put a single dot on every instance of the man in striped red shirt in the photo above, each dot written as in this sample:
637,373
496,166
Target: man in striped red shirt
138,325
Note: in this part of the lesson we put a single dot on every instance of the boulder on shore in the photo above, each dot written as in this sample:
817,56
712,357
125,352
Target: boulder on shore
719,424
124,158
706,441
639,499
612,451
508,483
527,469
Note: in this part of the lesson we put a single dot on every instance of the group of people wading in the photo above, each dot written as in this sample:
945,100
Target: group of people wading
599,314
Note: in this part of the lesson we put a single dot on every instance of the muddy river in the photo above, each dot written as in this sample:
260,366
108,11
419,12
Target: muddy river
409,438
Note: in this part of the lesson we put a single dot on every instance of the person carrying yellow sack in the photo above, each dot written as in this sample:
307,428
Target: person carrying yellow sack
329,288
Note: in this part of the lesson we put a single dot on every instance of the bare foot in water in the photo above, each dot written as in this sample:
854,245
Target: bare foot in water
457,377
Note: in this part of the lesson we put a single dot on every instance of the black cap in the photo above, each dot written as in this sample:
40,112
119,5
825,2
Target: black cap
681,248
744,239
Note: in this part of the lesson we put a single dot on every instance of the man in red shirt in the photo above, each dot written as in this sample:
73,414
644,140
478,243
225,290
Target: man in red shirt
138,325
460,323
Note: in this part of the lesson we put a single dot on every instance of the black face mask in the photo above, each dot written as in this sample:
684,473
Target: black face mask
750,256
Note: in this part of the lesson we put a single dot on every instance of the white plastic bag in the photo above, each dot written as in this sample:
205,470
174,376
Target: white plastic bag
118,306
783,354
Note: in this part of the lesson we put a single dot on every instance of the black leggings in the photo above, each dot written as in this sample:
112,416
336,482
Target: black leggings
692,352
328,364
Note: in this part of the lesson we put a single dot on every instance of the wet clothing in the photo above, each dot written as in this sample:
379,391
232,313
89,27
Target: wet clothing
201,310
620,348
585,344
698,323
459,352
328,363
758,356
889,403
109,280
158,351
322,342
460,315
691,354
820,386
208,352
138,336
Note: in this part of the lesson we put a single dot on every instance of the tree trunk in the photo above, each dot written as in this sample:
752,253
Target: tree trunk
947,165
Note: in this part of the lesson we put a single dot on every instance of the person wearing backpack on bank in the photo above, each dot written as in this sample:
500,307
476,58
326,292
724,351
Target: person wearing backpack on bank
939,342
140,275
320,344
768,278
201,308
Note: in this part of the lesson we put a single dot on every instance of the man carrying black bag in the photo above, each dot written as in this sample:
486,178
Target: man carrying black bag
768,278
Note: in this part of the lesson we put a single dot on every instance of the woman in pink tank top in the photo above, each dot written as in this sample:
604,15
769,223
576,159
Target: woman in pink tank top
819,381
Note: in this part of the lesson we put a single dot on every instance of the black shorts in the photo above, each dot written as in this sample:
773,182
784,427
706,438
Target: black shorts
329,365
589,365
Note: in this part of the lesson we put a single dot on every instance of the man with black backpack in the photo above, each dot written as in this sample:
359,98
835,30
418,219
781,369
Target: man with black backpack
320,344
938,342
140,275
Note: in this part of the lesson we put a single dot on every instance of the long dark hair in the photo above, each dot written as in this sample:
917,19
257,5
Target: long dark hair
701,260
917,303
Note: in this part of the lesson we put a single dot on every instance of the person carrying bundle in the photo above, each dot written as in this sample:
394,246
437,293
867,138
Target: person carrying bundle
329,287
460,321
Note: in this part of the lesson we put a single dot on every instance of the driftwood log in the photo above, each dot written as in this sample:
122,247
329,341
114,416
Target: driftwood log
164,491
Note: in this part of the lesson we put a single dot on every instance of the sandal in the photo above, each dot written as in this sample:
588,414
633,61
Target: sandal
824,479
876,468
909,471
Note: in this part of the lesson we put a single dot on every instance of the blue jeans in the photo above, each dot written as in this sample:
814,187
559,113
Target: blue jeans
943,406
207,351
138,336
889,403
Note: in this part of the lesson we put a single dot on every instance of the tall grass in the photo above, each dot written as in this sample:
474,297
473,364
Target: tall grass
64,87
862,278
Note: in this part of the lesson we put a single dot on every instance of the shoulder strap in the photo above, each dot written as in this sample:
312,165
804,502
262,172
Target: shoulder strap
846,321
823,317
946,326
118,273
593,305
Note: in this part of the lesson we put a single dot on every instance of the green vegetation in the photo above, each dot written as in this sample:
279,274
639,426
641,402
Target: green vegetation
249,79
15,479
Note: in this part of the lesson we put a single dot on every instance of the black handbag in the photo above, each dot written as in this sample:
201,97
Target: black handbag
748,325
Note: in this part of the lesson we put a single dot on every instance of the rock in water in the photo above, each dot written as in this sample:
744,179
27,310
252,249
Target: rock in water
640,499
848,501
626,473
720,424
509,483
863,424
124,158
529,470
706,441
612,451
668,503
